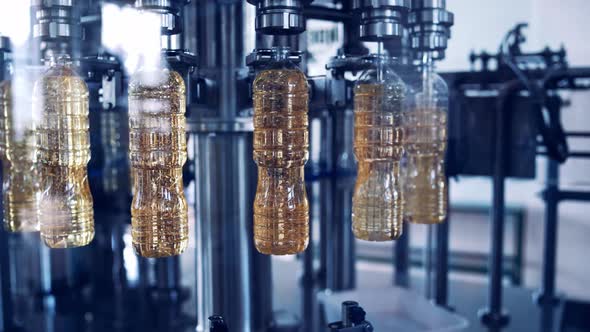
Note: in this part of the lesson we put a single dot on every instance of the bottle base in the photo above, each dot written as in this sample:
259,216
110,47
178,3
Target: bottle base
156,236
425,219
20,217
280,248
281,236
375,236
160,250
13,226
68,240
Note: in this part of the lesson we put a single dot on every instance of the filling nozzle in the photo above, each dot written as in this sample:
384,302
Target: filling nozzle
381,20
426,98
171,20
429,25
280,17
56,27
279,20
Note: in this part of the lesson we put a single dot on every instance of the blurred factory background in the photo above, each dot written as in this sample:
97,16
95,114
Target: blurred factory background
553,25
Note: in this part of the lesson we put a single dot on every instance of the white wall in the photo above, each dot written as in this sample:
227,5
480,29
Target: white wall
480,25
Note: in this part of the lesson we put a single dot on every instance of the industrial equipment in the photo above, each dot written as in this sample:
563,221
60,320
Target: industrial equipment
175,186
353,319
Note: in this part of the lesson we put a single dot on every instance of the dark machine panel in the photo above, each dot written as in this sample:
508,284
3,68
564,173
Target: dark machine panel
472,129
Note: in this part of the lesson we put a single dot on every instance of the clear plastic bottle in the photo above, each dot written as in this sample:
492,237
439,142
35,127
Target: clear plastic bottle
19,166
425,122
157,152
60,100
377,203
281,211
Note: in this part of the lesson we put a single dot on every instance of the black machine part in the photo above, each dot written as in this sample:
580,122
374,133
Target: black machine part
217,324
551,129
524,85
550,126
280,17
353,319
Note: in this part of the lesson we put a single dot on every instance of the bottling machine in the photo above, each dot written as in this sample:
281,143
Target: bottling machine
221,282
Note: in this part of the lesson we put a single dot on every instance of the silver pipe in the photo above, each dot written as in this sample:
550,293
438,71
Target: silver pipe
233,280
340,265
429,264
229,61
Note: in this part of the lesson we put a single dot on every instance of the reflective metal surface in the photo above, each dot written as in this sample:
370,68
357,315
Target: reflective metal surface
171,20
382,19
232,277
430,27
280,17
340,247
56,27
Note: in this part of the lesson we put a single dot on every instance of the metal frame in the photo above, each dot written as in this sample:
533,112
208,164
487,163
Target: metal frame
494,315
465,261
552,196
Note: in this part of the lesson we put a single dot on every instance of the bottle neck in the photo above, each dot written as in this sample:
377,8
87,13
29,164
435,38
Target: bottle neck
381,64
281,53
383,59
280,59
58,59
427,63
426,68
155,64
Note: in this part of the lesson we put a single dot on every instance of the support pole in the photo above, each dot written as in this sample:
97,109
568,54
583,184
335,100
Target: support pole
546,296
442,259
493,316
402,259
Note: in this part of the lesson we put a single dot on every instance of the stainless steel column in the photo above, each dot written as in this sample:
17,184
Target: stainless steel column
340,269
233,279
319,183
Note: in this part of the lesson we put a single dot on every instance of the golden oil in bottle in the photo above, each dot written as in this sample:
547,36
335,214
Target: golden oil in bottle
425,123
377,204
157,152
425,184
281,211
19,167
65,211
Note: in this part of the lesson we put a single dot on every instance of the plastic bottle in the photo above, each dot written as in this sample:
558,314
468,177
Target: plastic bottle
425,123
157,152
19,167
60,100
377,203
281,211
